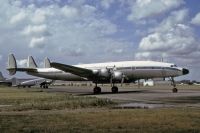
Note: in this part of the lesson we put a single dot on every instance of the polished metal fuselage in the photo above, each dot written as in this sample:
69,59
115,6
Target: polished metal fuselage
132,70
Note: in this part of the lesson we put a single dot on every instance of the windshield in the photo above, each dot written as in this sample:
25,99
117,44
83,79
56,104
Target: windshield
173,65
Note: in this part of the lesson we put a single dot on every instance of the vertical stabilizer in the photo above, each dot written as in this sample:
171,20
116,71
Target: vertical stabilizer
31,62
12,65
47,63
1,77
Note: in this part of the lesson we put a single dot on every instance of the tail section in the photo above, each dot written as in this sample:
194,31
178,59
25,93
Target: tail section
47,63
1,77
12,65
31,62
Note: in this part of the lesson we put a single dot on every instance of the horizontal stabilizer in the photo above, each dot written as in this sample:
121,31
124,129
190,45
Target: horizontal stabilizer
12,66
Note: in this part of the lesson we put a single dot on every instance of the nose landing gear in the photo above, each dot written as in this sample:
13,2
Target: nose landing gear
174,90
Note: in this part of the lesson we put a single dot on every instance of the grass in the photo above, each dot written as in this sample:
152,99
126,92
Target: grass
104,120
21,100
35,111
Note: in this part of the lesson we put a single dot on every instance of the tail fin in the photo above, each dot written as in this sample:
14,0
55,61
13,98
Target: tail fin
1,77
12,65
47,63
31,62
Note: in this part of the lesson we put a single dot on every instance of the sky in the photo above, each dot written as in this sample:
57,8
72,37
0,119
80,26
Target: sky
89,31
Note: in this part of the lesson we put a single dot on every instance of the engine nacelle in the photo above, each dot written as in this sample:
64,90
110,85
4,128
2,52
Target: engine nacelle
104,73
117,75
95,72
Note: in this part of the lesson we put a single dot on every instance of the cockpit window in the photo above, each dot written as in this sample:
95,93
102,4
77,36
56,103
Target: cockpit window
173,65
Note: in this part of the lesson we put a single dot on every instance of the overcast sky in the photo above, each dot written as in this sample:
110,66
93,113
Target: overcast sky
87,31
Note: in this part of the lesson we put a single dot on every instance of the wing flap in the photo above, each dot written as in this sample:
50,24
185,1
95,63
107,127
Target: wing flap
82,72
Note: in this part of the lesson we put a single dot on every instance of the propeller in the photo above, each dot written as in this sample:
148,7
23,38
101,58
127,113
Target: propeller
110,70
123,78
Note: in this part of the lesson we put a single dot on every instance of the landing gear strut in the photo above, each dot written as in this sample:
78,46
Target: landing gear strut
114,88
174,90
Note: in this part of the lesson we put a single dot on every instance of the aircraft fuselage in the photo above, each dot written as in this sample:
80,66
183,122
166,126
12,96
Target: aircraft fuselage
132,69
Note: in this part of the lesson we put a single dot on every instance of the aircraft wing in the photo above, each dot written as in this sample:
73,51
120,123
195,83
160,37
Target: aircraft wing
26,69
82,72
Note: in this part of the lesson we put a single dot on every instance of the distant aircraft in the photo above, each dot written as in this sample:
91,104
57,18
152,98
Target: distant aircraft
39,81
25,82
111,72
4,81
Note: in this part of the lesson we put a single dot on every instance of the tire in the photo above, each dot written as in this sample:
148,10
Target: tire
174,90
114,89
97,90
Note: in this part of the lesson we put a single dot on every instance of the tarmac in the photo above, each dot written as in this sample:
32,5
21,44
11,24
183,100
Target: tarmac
132,96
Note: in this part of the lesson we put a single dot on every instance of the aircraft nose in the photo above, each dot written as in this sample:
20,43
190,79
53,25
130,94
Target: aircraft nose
185,71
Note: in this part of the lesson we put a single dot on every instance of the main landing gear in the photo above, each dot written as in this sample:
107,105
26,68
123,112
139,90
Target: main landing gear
174,90
97,90
45,86
114,89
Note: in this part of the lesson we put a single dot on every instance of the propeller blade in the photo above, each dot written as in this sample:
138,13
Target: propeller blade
122,81
111,80
123,78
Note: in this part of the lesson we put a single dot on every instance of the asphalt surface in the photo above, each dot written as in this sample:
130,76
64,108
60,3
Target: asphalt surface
140,97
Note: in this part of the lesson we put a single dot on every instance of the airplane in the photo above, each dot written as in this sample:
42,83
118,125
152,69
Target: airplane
25,82
110,72
39,81
5,81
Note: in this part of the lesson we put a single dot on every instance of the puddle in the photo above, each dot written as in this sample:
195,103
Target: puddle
142,106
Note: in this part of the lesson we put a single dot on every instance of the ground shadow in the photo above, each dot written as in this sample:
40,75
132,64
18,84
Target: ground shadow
120,92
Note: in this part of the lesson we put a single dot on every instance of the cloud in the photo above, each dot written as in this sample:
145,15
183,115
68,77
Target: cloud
22,63
1,57
106,3
18,17
173,38
36,30
40,16
37,43
196,20
70,12
142,9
